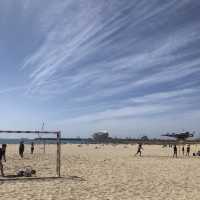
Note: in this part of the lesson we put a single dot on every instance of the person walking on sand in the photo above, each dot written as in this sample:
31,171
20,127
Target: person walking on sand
32,147
4,152
139,150
175,151
183,150
1,164
188,150
21,149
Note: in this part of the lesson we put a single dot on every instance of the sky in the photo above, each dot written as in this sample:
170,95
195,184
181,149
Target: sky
130,67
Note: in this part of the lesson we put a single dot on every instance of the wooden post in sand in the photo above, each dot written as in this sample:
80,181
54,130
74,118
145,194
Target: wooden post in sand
58,163
44,146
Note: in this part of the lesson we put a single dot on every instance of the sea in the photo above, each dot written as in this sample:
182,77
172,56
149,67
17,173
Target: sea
46,141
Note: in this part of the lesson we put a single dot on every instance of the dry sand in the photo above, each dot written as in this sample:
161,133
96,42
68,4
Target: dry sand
107,172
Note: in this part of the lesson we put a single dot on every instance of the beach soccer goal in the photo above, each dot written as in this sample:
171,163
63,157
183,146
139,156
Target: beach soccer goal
57,140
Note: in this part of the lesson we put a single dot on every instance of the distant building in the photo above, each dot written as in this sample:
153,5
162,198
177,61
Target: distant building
101,136
144,138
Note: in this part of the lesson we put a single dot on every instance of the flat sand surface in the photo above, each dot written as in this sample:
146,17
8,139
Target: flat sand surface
103,172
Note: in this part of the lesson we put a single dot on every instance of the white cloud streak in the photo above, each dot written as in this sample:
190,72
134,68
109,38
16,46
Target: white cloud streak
125,58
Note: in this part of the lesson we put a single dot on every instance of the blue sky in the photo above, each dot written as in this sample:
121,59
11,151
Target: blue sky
131,67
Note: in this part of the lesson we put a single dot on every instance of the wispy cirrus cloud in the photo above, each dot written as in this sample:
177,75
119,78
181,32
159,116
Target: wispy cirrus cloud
12,89
113,51
106,60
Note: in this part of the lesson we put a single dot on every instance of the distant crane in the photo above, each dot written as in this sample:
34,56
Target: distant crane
180,136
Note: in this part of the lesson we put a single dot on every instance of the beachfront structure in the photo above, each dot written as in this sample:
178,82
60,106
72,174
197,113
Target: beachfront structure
101,136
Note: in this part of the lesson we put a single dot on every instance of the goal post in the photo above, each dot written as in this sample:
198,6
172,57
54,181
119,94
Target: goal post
58,144
58,162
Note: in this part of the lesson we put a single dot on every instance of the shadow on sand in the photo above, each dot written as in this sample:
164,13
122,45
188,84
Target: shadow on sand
8,178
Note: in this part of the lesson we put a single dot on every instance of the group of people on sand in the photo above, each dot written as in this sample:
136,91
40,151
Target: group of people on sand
183,151
3,153
175,154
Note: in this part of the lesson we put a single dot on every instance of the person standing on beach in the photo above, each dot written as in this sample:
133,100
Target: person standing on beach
139,150
188,150
183,150
1,164
4,151
175,151
32,147
21,149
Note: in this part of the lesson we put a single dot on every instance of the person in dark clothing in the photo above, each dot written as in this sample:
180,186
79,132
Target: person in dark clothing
4,151
21,149
183,150
1,164
188,150
175,151
32,147
139,150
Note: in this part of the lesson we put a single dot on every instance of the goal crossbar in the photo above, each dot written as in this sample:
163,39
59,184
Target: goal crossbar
43,132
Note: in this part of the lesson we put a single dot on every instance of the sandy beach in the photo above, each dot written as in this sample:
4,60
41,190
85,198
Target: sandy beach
103,172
